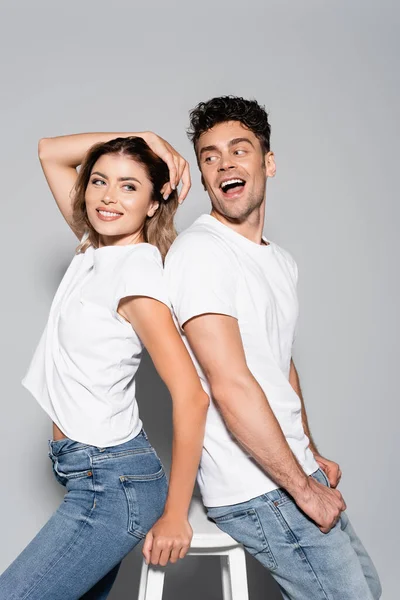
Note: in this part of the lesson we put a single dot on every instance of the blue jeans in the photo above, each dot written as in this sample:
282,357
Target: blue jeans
114,496
306,563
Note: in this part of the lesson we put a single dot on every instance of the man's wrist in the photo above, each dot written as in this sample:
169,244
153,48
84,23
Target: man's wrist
298,487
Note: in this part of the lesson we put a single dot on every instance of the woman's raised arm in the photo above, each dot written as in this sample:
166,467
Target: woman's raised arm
60,157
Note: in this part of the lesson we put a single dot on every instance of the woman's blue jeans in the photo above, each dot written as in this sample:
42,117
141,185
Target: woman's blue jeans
114,496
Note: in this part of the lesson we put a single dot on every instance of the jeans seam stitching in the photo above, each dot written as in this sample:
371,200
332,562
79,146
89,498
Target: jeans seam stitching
298,546
32,588
267,548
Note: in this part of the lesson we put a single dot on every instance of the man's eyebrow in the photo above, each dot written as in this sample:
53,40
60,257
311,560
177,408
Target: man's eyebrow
230,144
119,179
239,140
208,149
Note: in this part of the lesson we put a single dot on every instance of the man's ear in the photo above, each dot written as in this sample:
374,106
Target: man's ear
270,166
152,209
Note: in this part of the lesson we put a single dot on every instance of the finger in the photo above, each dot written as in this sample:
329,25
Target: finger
184,551
177,160
155,553
181,167
167,191
324,529
164,557
186,183
175,554
147,546
169,159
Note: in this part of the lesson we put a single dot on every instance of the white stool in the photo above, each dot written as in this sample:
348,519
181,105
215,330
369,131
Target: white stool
207,540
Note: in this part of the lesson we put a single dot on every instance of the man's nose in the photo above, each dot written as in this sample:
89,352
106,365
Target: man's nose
226,163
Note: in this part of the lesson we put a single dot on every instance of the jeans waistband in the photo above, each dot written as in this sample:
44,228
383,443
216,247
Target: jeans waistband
66,445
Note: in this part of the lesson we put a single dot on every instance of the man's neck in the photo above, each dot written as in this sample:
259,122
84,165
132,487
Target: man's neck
251,228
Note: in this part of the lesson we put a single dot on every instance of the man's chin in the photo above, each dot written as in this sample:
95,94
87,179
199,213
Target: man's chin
233,212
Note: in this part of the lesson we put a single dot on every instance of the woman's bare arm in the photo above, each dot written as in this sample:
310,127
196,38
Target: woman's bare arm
170,537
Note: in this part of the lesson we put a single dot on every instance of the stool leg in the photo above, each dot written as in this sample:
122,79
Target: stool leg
155,583
238,574
143,581
226,580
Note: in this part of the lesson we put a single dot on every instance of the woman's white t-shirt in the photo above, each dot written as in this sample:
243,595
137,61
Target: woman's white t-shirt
83,371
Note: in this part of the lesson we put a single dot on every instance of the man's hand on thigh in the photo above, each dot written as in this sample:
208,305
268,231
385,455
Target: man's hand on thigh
322,504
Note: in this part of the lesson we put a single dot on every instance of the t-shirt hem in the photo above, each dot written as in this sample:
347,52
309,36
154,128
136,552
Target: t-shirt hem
185,316
249,494
82,439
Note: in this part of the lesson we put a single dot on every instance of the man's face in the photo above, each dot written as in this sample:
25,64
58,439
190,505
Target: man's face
234,169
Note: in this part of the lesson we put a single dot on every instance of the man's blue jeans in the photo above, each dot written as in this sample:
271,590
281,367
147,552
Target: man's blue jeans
114,496
306,563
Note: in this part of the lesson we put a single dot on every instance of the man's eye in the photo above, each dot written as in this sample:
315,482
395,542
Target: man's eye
210,159
240,152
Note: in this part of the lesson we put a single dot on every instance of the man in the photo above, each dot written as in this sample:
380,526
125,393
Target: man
234,297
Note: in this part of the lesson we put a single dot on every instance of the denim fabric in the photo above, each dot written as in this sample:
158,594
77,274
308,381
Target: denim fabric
306,563
113,497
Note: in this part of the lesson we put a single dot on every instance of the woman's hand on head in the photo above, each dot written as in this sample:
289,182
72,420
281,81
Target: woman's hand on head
168,540
179,170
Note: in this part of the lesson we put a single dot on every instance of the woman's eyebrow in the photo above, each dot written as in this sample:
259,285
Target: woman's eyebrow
119,179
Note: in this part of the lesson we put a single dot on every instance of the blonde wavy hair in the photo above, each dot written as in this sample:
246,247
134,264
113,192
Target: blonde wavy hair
159,229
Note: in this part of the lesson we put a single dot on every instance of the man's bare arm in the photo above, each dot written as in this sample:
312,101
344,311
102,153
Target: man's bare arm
217,344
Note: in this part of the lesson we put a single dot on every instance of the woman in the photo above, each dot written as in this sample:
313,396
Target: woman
109,304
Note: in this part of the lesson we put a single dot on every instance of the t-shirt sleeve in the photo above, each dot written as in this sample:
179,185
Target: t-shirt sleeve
201,279
142,275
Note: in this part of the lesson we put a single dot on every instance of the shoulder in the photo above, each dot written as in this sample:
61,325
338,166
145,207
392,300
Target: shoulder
285,257
143,255
199,245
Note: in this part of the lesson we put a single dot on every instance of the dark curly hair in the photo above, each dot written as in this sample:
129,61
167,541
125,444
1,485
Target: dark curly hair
230,108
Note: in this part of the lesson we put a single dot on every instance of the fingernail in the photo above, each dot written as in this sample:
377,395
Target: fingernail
173,186
166,196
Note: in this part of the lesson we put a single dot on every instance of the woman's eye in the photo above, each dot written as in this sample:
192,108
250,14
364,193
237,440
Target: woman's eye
98,182
129,188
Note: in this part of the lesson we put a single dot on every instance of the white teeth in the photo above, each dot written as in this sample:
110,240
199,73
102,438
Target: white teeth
230,182
109,214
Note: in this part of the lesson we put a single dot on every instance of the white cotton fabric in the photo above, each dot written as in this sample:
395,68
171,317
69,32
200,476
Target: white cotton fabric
83,371
212,269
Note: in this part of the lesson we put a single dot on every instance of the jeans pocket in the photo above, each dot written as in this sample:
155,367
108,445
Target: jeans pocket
71,467
245,527
146,494
321,477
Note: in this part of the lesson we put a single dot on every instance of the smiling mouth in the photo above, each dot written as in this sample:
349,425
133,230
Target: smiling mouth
108,215
233,186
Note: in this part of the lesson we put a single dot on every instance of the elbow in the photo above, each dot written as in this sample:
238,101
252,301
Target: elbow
203,400
224,389
43,148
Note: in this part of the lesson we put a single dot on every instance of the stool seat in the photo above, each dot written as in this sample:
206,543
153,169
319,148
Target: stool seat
205,532
207,540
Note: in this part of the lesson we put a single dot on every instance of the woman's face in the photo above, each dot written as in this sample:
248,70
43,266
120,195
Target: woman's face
119,197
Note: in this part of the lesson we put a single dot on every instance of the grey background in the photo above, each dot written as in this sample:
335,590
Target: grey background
328,73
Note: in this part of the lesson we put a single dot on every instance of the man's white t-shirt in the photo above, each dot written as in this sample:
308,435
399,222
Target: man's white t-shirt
212,269
83,370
